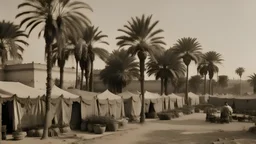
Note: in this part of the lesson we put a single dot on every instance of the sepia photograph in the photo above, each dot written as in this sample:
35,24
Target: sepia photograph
127,72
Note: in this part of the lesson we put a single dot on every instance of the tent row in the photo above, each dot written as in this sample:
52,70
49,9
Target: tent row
24,106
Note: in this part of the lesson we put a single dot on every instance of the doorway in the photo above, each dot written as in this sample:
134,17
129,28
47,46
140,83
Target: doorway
7,116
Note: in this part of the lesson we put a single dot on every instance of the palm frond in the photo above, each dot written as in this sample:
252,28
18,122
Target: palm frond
140,35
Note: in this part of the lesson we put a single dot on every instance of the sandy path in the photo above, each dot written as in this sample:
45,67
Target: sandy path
190,129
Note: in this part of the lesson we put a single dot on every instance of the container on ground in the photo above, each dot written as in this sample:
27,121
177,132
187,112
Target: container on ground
99,129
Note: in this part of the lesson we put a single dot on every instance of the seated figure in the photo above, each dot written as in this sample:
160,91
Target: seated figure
226,113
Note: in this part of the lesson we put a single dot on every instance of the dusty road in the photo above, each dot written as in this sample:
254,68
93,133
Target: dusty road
190,129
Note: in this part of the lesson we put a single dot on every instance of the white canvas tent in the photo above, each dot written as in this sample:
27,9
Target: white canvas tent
155,99
22,107
132,104
110,104
193,98
61,105
168,104
204,98
179,101
87,107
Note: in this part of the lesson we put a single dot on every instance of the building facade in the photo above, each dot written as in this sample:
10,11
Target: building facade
34,75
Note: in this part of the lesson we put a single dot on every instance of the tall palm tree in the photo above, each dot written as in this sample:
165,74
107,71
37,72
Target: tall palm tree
57,18
61,61
120,70
212,59
165,66
189,49
239,72
92,36
202,69
81,53
11,41
252,81
141,39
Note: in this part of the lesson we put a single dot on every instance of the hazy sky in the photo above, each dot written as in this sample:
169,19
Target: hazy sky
225,26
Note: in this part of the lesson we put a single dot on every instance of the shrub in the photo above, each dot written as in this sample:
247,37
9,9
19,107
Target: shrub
188,109
197,110
164,115
103,120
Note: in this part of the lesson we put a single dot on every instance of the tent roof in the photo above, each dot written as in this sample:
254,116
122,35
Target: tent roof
151,95
108,95
192,95
57,92
127,95
174,96
83,94
8,89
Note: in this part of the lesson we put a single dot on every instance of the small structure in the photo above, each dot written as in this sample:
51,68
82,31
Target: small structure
132,105
110,104
178,101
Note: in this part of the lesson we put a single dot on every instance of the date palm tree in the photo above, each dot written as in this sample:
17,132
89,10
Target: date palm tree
61,61
11,41
93,36
80,53
120,70
57,18
202,69
252,81
212,59
165,66
239,71
189,49
141,39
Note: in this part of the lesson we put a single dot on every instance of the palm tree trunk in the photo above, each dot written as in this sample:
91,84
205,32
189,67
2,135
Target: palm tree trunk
210,82
91,77
186,93
87,76
240,86
166,86
62,65
48,90
162,86
76,84
205,83
82,79
142,57
61,77
254,89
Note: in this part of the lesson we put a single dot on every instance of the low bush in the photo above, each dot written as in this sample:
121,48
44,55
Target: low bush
151,115
103,120
197,110
165,115
188,109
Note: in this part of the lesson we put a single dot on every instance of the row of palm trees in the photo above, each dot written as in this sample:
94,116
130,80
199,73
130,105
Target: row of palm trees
68,31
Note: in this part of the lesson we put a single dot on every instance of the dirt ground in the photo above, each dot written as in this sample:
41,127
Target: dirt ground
190,129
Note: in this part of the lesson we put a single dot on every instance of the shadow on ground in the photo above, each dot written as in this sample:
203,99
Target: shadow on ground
176,137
